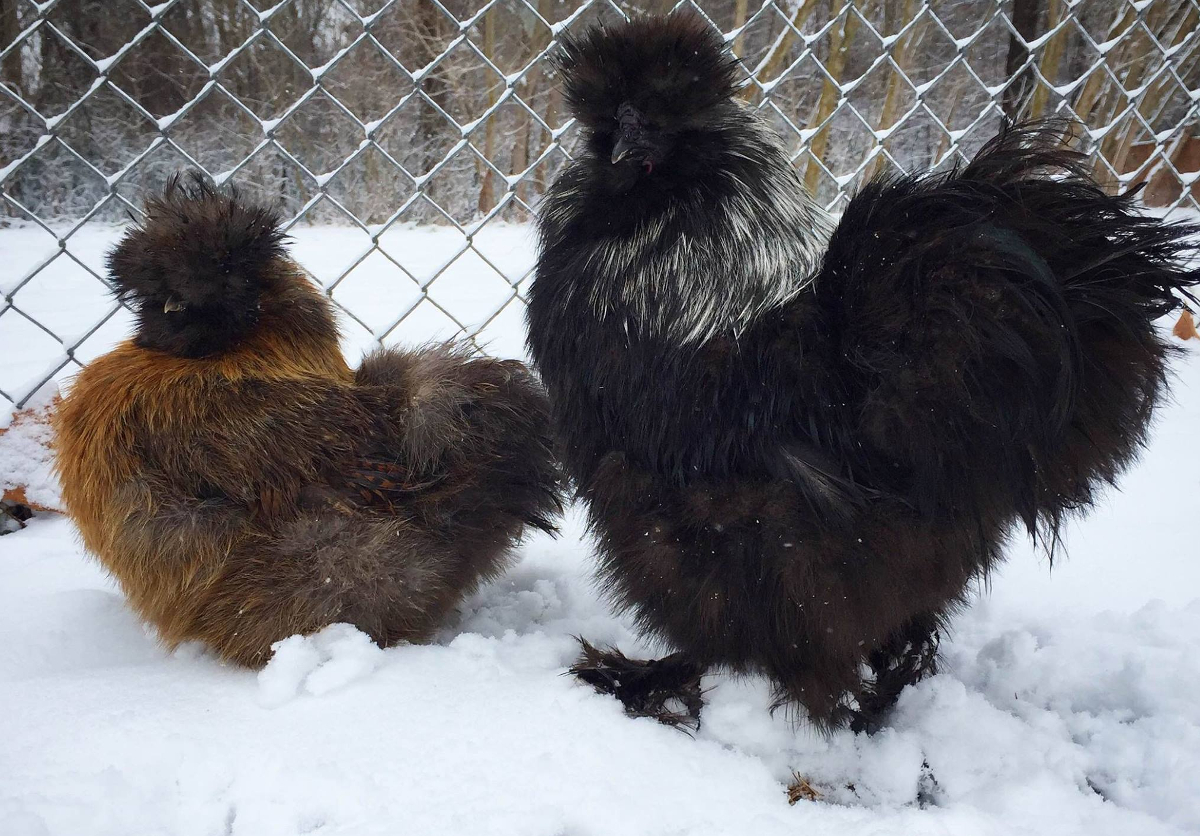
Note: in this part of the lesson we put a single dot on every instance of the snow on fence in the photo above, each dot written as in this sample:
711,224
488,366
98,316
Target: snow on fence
412,134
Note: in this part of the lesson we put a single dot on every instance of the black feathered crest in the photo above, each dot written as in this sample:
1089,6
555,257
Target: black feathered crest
673,68
196,266
195,243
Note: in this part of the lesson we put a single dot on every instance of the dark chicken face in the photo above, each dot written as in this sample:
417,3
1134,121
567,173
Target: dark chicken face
647,91
197,269
638,141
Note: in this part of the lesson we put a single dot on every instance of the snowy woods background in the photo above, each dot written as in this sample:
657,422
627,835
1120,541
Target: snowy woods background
285,94
408,141
375,114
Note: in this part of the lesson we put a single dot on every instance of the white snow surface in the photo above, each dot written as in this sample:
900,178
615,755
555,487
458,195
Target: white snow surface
25,457
1068,702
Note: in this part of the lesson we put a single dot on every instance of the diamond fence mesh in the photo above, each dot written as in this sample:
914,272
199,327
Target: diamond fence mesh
416,136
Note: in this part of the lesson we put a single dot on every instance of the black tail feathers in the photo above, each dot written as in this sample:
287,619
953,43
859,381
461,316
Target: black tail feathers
1119,270
1028,169
1001,323
196,266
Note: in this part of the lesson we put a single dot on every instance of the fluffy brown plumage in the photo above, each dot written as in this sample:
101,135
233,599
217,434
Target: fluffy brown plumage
798,448
243,484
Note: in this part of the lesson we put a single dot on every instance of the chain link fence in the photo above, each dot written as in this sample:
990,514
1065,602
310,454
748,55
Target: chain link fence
409,140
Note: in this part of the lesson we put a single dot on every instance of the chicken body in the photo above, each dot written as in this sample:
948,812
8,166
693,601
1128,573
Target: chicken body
798,449
243,484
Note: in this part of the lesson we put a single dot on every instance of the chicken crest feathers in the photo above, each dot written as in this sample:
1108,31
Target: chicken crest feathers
676,67
195,266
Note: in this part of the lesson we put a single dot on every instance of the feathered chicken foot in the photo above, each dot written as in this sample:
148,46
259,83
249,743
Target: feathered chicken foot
905,659
645,687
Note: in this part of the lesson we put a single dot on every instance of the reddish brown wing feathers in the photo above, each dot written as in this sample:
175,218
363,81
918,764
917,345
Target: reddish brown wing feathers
379,482
369,482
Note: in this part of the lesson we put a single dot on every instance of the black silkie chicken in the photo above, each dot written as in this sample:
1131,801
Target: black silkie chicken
800,444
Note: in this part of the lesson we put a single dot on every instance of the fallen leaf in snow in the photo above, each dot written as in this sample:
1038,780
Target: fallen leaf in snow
1185,328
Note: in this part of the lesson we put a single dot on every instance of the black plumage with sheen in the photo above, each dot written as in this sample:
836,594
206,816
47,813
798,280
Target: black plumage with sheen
798,448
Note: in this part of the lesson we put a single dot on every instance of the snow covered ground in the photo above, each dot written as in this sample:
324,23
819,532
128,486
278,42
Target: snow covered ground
1068,703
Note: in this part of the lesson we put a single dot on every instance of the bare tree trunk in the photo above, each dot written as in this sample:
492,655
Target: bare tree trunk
739,20
520,151
487,186
944,143
840,38
64,77
534,84
553,106
1160,187
428,23
1098,80
901,50
1116,145
1025,15
772,65
1051,57
11,73
1173,34
536,185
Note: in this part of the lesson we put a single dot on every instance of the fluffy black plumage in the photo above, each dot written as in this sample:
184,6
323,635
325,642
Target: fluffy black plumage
196,275
641,91
799,469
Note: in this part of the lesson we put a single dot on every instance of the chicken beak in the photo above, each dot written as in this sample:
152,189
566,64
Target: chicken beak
622,149
172,305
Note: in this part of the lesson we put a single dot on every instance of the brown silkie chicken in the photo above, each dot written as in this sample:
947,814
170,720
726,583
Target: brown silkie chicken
243,484
801,443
